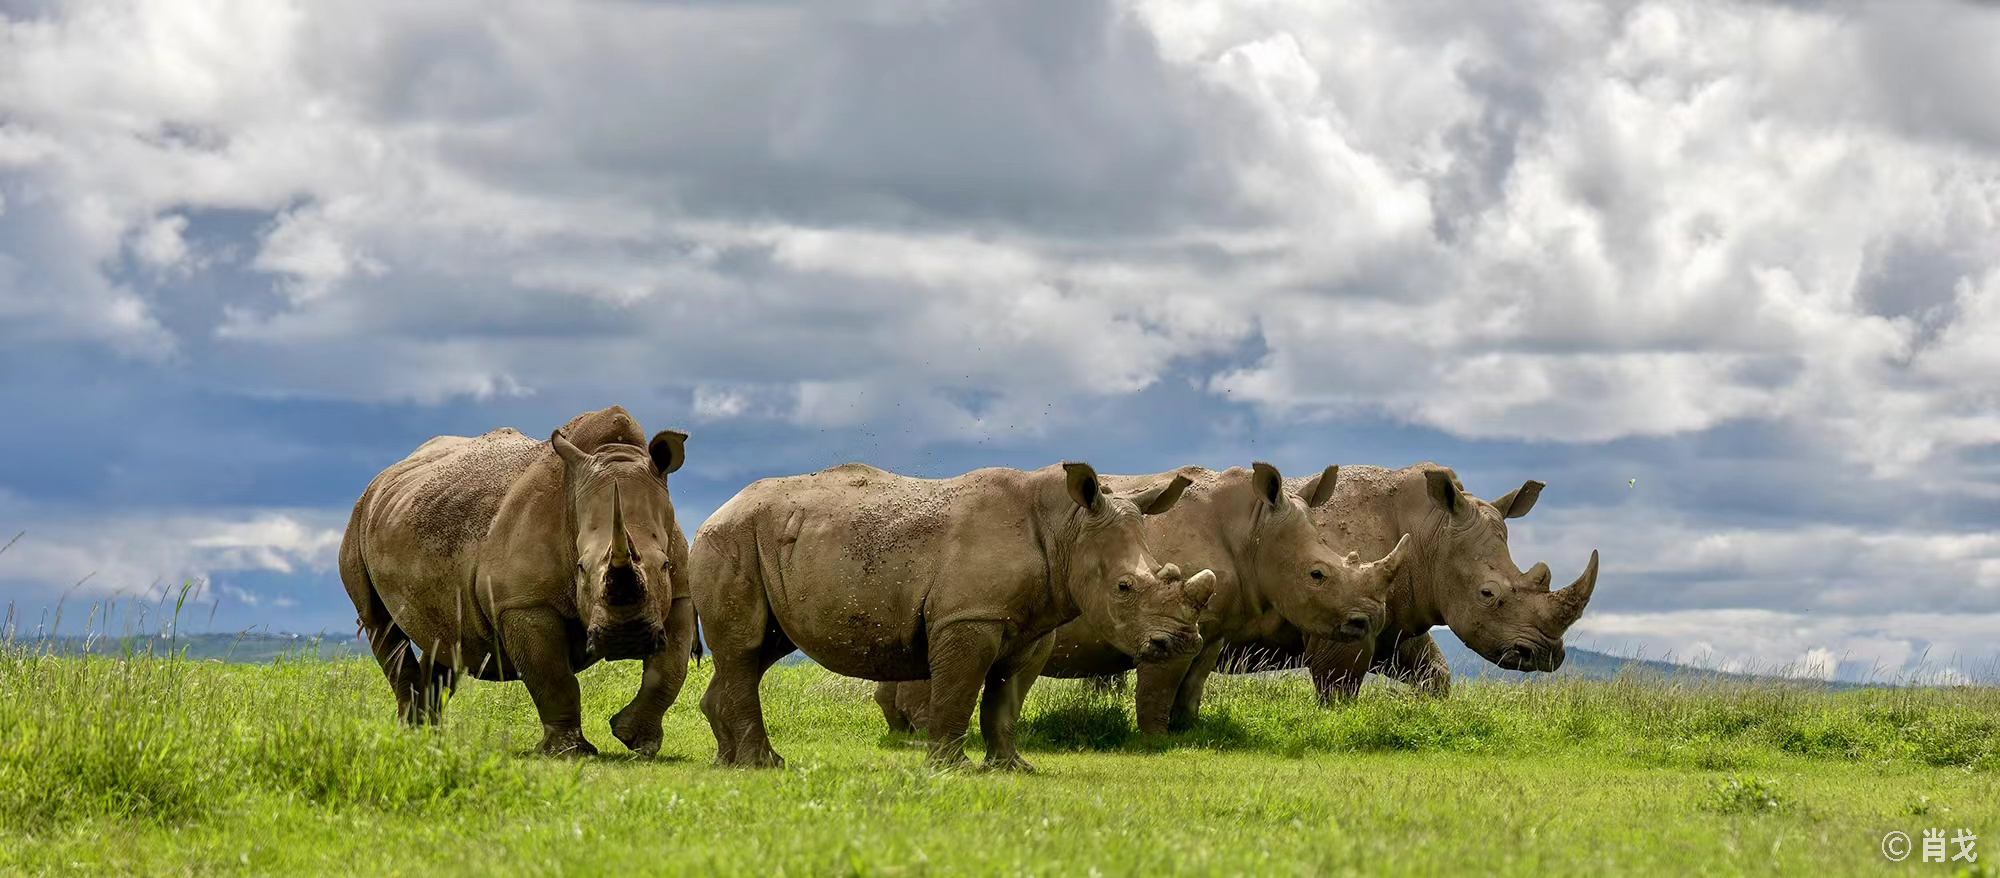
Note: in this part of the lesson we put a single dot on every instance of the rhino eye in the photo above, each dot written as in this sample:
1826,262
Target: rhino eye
1318,575
1124,585
1486,591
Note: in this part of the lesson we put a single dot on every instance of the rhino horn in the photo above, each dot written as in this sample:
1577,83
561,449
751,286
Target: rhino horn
621,545
1393,561
1569,602
1538,576
1200,587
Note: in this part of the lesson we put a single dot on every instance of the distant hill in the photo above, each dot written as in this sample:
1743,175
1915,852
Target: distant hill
265,647
245,648
1591,665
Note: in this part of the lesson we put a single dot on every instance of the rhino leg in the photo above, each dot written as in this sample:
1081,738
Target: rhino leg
1000,707
1418,662
638,725
537,646
1159,686
892,713
962,656
412,677
1337,669
733,706
1187,701
905,705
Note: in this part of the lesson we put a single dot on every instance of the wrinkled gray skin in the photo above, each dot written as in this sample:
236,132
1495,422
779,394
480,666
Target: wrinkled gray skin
1272,567
960,580
1460,574
511,559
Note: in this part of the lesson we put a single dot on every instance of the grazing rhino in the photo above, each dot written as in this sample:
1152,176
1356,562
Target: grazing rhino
1460,575
959,580
1271,566
511,559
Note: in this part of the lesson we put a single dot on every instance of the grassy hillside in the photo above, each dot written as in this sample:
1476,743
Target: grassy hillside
160,766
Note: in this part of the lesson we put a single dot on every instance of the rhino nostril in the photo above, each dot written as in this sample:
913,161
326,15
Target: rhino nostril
1160,643
1355,624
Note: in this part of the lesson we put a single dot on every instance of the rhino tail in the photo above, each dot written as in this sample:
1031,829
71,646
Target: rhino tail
695,650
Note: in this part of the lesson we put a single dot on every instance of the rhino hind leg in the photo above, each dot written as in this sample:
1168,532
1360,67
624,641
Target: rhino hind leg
886,697
733,706
414,678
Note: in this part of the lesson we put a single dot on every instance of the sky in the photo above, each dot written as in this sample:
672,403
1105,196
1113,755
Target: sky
1724,275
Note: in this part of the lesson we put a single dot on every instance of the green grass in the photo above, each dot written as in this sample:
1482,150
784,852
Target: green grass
153,765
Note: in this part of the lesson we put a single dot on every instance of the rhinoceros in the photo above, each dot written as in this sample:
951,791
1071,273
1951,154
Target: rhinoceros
511,559
959,581
1272,568
1461,575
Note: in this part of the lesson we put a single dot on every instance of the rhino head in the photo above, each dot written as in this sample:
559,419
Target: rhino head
1150,610
622,518
1510,618
1291,565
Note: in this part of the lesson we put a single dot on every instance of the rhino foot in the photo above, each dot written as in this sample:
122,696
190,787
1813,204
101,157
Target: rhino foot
1009,763
644,743
766,759
569,743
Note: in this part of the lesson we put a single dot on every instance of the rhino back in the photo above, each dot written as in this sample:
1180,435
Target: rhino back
423,520
443,497
1363,515
857,563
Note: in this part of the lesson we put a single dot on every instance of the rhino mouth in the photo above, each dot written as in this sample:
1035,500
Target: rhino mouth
625,640
1526,657
1161,647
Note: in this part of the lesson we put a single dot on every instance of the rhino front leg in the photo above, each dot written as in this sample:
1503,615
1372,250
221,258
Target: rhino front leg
1159,686
1337,669
962,655
1187,701
1000,708
538,648
638,726
1419,662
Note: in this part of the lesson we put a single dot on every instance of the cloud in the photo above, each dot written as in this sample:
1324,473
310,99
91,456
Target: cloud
1745,251
1645,224
138,552
1907,647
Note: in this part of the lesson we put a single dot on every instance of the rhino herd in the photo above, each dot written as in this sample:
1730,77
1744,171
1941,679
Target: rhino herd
511,559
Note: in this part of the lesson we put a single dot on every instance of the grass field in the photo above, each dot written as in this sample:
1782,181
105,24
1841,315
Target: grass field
169,766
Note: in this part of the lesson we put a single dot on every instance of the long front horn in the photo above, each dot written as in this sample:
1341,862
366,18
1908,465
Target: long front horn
621,545
1569,602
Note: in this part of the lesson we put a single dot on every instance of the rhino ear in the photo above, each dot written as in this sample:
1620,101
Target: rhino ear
1083,487
1444,490
570,454
668,449
1517,502
1319,489
1269,482
1160,498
